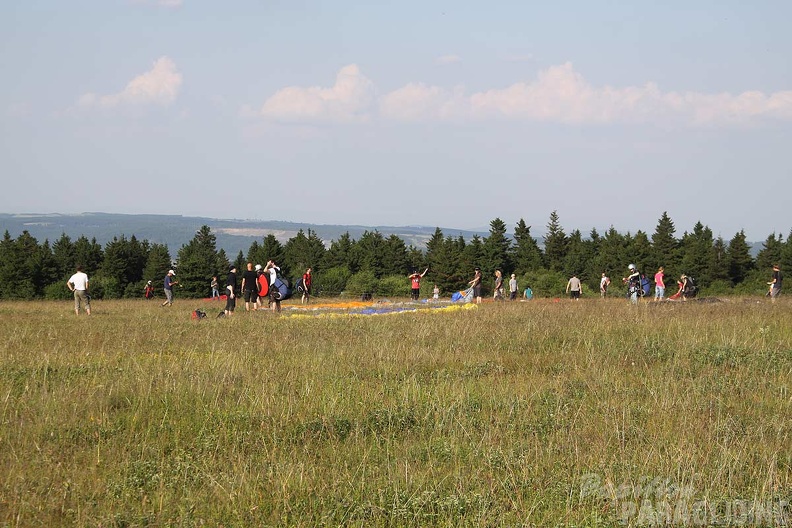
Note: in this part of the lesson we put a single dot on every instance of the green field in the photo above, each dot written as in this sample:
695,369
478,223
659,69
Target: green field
542,413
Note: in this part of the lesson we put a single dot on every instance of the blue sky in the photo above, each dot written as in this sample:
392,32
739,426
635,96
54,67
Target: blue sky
429,113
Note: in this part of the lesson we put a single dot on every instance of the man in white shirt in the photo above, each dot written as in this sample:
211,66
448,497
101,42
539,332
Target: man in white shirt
78,283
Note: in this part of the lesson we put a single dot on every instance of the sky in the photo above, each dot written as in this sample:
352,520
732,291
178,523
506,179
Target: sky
444,113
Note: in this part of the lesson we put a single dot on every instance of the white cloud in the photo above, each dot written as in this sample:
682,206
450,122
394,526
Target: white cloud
348,100
560,94
160,85
448,59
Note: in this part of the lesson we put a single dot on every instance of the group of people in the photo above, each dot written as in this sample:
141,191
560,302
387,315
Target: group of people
259,282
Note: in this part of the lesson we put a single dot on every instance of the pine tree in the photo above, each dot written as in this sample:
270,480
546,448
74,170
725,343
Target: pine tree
157,264
197,262
696,251
719,261
495,249
555,244
739,258
575,262
526,254
640,251
341,254
664,246
395,256
770,253
612,257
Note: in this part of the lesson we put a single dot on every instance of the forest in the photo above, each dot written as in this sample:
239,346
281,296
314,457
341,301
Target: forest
379,265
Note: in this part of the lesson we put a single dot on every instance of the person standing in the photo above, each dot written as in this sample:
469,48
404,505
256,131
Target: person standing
415,283
776,282
574,287
215,288
148,291
249,287
633,281
513,287
436,293
604,284
497,295
169,284
231,280
274,293
307,280
476,284
659,284
78,284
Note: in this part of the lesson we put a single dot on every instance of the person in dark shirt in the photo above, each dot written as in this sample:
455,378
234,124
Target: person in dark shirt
249,287
231,290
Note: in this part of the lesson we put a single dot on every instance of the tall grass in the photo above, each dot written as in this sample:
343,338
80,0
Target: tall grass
140,416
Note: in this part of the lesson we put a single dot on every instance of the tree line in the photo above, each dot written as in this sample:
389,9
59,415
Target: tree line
379,265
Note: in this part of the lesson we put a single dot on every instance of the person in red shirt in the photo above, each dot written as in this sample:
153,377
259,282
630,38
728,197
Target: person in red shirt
415,281
306,286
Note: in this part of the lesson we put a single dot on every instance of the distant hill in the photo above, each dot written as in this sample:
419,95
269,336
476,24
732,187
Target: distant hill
176,230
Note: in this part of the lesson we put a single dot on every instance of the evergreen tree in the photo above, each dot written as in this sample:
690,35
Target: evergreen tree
302,252
664,246
395,256
577,258
612,256
241,264
719,261
7,272
65,257
472,257
341,254
770,253
157,265
368,252
739,257
256,254
786,254
271,249
555,244
88,254
640,251
526,254
197,261
416,259
697,253
496,249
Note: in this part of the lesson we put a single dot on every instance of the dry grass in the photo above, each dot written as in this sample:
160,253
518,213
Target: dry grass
139,416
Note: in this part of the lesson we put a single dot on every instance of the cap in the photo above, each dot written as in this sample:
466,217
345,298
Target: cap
258,267
171,272
149,282
231,267
631,266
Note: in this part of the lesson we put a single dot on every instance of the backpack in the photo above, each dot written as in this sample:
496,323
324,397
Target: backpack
198,314
299,286
645,286
690,287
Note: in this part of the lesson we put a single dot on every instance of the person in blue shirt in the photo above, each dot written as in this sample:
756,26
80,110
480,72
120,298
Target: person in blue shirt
169,284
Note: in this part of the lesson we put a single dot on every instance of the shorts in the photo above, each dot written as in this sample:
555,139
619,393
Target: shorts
250,295
81,296
574,294
230,302
659,292
775,292
477,290
169,296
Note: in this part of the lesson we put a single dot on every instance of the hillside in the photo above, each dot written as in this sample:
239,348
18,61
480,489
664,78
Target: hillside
175,230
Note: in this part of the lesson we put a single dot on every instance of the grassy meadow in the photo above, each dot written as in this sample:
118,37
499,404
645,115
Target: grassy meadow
541,413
